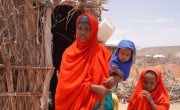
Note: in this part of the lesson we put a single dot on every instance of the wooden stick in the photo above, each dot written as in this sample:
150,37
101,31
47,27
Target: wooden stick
27,67
37,94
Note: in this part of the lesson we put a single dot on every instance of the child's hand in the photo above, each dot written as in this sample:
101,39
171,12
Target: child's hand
115,70
147,95
149,99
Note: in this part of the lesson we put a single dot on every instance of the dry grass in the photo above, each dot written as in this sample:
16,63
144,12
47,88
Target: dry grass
173,106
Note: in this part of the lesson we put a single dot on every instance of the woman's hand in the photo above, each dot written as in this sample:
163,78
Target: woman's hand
100,90
111,81
108,82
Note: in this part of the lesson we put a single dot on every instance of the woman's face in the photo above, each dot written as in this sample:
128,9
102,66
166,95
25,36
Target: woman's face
149,81
124,54
83,31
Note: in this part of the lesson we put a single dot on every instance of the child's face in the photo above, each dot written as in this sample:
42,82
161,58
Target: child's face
149,81
124,54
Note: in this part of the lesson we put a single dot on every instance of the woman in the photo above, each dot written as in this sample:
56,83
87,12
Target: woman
150,92
84,65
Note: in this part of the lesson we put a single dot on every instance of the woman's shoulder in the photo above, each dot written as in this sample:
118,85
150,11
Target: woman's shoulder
104,52
68,50
104,48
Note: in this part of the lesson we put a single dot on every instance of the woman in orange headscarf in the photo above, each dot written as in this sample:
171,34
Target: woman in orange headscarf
84,66
150,92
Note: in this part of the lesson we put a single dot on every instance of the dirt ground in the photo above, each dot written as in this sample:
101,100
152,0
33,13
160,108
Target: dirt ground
174,106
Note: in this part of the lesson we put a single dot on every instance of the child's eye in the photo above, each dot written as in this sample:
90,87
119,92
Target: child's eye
145,83
152,83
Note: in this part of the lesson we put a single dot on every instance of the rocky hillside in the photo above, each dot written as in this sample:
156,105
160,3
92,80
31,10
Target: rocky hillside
158,55
169,50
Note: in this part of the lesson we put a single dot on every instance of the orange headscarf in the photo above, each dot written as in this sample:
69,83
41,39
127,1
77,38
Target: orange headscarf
159,94
82,64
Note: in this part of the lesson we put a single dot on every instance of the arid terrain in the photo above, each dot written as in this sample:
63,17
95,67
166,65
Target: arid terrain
174,106
165,58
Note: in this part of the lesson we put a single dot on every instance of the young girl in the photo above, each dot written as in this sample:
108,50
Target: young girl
122,60
150,92
120,64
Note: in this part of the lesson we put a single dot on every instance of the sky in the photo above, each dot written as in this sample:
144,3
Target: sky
148,23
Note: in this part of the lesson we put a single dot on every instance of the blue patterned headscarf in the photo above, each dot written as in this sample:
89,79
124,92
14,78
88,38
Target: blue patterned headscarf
84,19
123,67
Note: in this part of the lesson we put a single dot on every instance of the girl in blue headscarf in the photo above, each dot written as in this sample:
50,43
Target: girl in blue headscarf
122,59
120,64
